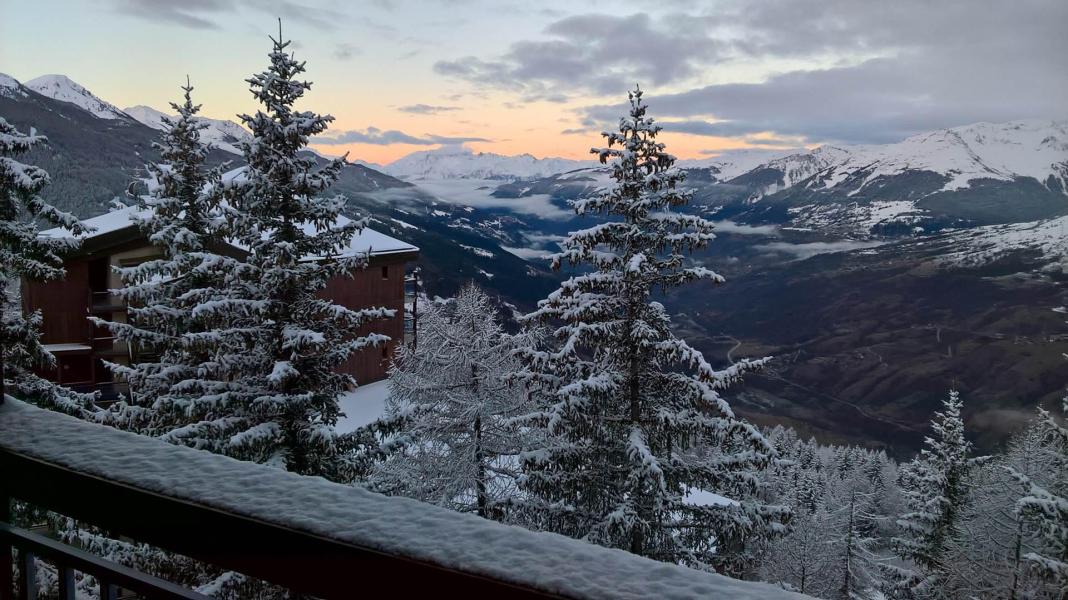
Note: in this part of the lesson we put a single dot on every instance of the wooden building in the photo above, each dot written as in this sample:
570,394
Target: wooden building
116,241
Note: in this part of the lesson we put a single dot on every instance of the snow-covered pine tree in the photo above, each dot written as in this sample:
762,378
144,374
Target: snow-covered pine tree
271,393
634,416
181,216
854,564
804,559
26,255
1045,507
936,489
458,409
830,549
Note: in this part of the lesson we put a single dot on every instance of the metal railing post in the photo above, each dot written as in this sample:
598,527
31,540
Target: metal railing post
66,582
27,575
7,565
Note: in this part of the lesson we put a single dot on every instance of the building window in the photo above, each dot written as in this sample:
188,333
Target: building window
385,272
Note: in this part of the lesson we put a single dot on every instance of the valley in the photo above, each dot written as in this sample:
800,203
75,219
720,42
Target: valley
878,277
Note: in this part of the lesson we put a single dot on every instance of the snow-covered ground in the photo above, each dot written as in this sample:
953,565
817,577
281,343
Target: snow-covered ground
363,405
394,526
1048,239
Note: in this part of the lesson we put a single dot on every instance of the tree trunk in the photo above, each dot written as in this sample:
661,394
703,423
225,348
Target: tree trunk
3,373
480,458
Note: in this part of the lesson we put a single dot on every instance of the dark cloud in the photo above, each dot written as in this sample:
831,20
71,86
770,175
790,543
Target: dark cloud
346,51
379,137
595,53
186,14
426,109
890,69
876,101
206,14
719,129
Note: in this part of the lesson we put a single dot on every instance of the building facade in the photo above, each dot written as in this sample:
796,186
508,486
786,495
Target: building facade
81,348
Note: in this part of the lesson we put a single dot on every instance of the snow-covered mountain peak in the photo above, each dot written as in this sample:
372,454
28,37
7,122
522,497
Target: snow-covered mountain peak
146,115
1002,151
460,162
222,134
62,88
10,87
732,163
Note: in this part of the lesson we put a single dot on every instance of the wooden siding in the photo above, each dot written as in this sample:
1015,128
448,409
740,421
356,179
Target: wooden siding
64,305
368,288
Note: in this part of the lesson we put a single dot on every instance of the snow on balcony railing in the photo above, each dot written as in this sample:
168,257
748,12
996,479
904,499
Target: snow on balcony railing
413,532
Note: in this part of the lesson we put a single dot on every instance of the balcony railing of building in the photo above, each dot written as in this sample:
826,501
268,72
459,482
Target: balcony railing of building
302,533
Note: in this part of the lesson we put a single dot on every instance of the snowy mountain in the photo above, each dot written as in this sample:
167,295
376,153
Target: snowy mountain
999,151
980,174
458,162
60,87
732,163
10,87
219,133
960,155
1046,243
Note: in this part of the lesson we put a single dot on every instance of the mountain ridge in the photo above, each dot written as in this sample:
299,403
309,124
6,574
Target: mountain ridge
64,89
459,162
219,133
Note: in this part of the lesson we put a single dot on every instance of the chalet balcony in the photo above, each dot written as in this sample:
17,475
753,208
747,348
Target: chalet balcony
105,302
303,533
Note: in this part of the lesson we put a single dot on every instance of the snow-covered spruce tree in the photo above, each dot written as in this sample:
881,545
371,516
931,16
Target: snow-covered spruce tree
1045,507
181,216
270,392
936,489
26,255
458,409
633,415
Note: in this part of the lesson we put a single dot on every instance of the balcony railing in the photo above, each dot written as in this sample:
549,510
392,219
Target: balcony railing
311,536
297,560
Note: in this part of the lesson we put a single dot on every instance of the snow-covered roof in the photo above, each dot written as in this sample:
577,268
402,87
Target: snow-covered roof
395,526
368,240
54,348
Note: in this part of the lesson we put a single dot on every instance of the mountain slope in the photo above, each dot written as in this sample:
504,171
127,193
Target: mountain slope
457,162
965,176
222,134
61,88
93,159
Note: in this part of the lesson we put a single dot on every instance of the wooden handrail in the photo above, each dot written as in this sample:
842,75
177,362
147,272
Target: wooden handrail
300,561
68,559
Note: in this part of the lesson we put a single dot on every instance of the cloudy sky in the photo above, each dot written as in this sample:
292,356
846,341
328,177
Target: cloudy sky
545,77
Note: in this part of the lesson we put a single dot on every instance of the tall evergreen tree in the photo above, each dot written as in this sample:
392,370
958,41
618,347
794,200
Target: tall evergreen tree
271,392
26,255
634,415
459,410
1045,507
936,487
854,559
181,216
